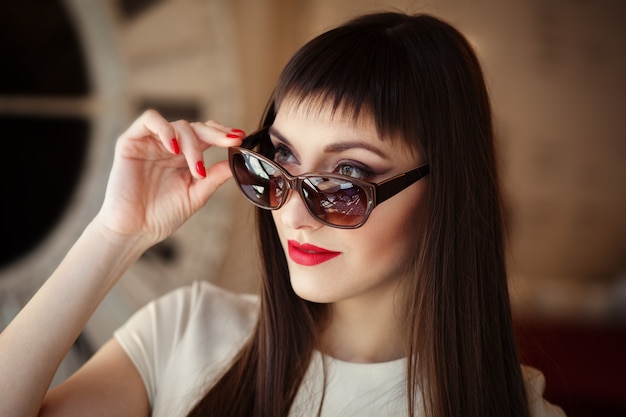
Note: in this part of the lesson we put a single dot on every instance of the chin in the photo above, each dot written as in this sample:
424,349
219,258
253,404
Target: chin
314,295
310,288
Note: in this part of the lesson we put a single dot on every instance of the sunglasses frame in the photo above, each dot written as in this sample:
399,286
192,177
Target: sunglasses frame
376,192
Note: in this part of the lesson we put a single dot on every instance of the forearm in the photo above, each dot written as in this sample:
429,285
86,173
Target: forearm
37,340
152,190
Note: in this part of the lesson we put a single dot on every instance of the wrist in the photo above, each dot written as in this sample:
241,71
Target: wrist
132,243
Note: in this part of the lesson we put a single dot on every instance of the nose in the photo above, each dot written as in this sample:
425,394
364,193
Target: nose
294,213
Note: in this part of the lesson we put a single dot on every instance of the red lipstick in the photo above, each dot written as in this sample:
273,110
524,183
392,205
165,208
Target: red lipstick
309,255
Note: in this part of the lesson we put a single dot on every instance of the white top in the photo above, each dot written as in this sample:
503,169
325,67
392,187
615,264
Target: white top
183,342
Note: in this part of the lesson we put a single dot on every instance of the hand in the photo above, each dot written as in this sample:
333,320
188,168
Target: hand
158,179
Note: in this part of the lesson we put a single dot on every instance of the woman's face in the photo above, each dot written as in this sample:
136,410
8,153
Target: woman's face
330,265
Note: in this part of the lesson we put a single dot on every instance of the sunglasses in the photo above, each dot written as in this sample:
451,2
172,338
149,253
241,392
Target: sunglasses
334,200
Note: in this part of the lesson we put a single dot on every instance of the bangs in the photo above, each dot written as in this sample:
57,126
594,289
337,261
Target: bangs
360,70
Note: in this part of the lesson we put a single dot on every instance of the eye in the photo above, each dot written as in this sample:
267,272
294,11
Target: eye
283,156
354,171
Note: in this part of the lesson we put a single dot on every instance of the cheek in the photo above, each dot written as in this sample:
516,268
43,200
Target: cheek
392,228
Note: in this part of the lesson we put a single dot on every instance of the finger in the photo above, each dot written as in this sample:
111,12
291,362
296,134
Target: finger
217,174
212,133
224,128
151,123
191,148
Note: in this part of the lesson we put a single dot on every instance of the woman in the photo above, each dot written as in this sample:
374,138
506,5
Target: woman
384,287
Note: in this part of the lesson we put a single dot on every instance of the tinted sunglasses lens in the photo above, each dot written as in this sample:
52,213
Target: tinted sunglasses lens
261,182
335,201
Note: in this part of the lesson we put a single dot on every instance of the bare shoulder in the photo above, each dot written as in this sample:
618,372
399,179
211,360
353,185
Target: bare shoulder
535,387
107,385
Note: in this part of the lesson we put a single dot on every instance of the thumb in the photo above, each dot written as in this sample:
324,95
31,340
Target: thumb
216,175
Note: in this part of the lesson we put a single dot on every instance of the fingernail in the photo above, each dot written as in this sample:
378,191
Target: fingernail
174,146
200,169
236,134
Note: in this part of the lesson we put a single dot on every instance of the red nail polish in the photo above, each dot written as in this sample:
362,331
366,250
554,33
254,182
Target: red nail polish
239,131
200,169
174,146
233,136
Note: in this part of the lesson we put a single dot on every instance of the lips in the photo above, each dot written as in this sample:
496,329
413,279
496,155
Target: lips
309,255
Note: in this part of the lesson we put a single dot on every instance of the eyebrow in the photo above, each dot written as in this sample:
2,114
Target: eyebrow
336,147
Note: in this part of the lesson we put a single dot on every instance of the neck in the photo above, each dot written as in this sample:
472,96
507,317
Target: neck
364,330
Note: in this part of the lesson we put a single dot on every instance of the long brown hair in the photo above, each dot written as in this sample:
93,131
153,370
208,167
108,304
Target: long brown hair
420,80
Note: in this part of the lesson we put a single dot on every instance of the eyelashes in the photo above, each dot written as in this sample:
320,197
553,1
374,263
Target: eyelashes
354,171
283,155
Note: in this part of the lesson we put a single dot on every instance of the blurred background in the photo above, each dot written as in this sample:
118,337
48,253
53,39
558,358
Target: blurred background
75,73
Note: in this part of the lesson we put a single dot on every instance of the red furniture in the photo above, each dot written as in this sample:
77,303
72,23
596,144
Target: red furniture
584,364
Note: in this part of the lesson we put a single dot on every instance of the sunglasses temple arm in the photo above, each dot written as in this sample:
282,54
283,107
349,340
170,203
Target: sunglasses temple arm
393,186
252,140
